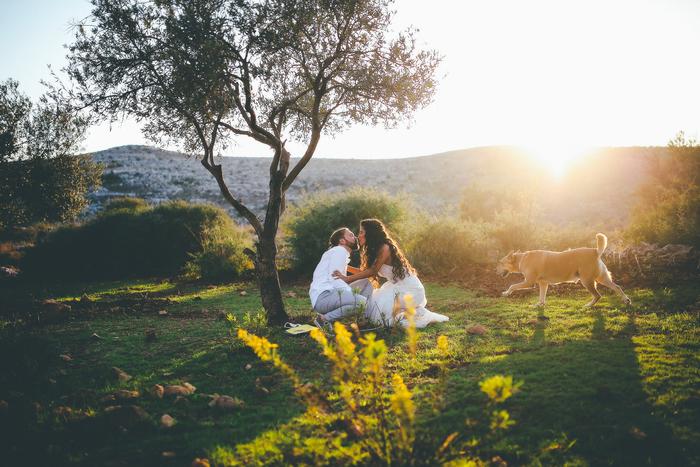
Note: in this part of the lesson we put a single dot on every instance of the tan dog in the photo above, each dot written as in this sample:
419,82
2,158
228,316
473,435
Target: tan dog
551,267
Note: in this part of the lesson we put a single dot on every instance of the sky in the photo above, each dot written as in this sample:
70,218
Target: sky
542,74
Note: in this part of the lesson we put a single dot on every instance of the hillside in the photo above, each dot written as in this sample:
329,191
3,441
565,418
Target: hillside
598,188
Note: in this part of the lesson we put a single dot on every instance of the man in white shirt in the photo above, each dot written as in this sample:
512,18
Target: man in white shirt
331,297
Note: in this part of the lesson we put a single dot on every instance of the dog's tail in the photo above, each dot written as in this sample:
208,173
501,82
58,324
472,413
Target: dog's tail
601,243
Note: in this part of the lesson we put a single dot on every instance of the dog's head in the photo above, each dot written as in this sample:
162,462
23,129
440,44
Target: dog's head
508,264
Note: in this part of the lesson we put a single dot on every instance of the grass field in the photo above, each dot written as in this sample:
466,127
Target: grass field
622,382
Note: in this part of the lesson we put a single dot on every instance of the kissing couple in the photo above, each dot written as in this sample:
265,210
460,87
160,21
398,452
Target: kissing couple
335,294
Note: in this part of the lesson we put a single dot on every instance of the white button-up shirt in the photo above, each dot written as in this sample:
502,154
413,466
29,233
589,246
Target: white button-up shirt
334,259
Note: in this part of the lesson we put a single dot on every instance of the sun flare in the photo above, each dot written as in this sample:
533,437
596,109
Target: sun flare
556,158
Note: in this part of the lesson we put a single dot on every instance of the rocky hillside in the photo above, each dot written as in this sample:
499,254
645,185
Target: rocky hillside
598,188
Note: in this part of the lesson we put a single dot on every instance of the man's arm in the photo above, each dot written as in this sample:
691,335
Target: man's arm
354,270
382,258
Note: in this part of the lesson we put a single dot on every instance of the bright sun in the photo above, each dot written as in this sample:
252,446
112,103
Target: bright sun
556,158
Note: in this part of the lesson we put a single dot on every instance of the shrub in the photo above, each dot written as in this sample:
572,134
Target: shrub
221,255
675,218
480,203
513,229
309,225
441,245
125,203
668,210
131,243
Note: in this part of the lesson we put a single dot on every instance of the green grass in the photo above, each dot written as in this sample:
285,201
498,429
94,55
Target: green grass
623,382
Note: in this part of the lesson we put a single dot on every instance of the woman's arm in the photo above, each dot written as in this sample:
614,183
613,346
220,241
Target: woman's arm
354,270
382,258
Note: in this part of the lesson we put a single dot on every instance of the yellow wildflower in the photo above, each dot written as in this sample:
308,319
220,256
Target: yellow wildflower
499,388
401,399
443,345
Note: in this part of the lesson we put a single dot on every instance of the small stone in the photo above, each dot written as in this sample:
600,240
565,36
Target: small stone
168,454
197,462
120,374
248,366
95,336
184,389
242,293
52,381
477,329
166,421
224,403
157,391
162,313
8,271
66,357
637,433
3,406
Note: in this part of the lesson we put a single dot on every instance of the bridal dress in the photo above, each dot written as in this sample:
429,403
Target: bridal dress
388,303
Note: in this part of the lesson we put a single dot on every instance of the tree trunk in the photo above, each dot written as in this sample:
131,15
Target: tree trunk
268,279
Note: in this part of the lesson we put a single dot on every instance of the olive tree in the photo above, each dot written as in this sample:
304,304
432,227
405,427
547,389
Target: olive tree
42,179
201,73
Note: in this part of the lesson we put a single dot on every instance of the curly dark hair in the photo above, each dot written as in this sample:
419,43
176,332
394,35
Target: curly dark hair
376,236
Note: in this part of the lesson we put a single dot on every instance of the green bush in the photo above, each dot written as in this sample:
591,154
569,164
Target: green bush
125,203
513,229
668,210
308,226
442,245
482,203
221,256
673,219
134,243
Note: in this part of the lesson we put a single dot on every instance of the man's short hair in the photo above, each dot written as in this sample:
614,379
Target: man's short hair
336,236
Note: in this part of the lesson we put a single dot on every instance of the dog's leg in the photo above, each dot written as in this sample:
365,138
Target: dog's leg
606,280
521,285
590,286
543,292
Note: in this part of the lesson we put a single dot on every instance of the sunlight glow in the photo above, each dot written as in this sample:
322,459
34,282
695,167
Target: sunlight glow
556,158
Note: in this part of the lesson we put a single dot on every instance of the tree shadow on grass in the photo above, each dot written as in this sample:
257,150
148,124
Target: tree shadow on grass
591,390
34,436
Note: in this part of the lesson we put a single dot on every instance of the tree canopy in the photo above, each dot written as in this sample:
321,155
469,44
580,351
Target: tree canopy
42,179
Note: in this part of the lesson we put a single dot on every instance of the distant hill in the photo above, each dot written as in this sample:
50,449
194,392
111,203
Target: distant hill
598,187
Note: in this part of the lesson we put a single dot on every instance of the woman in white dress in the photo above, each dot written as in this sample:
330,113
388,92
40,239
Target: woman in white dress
381,256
